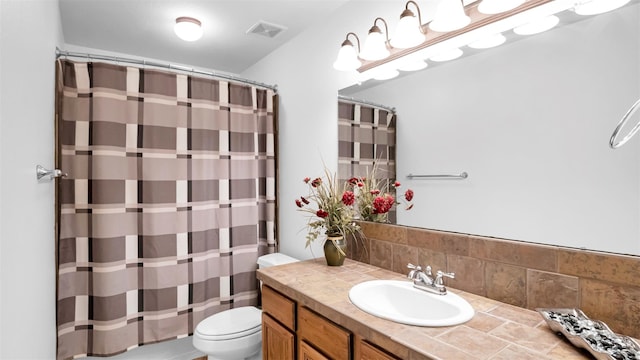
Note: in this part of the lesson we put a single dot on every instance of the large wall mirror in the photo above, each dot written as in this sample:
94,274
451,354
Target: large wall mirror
530,122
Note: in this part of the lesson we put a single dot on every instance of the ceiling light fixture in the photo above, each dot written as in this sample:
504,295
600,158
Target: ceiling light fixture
348,56
409,29
594,7
498,6
454,26
188,28
375,45
449,16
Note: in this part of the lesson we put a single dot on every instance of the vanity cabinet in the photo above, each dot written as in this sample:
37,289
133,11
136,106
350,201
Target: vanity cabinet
278,326
292,331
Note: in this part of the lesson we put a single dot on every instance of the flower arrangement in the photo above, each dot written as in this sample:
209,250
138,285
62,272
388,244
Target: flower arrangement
375,197
332,211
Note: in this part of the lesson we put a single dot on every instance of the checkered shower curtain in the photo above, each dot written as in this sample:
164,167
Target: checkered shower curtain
168,202
366,134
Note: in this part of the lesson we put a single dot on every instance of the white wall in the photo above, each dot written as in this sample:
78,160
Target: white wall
30,31
530,122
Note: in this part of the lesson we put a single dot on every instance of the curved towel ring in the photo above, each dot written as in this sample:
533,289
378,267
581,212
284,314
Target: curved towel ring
612,142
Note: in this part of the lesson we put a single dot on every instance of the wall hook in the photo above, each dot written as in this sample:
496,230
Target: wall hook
42,172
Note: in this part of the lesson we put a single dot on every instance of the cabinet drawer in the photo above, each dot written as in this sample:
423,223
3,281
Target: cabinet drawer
279,307
331,339
371,352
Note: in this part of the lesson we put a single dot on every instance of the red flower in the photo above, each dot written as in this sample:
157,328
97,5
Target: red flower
396,183
348,198
360,184
375,192
306,180
316,182
321,213
408,195
304,200
353,181
382,204
299,203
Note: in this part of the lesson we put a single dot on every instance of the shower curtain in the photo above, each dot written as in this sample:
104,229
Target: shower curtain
366,133
168,202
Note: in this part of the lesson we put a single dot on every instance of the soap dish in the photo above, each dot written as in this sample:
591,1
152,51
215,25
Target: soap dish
593,335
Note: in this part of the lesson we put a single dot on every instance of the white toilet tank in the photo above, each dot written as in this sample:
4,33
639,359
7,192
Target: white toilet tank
274,259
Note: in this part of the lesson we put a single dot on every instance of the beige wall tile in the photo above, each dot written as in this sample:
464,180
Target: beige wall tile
437,260
551,290
616,305
381,254
506,283
609,267
469,274
514,252
403,255
391,233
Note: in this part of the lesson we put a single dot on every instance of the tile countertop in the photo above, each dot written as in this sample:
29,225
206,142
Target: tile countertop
497,331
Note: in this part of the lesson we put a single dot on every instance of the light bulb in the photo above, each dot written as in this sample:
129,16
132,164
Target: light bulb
498,6
594,7
537,26
407,32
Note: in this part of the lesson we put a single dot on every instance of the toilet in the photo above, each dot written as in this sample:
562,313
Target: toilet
236,334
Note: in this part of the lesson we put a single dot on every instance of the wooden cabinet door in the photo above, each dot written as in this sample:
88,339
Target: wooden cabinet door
370,352
307,352
278,343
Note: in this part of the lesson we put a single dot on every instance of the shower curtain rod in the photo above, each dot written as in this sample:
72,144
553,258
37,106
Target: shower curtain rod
117,59
365,102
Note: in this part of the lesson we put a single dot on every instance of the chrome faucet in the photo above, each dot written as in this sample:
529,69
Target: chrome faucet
424,280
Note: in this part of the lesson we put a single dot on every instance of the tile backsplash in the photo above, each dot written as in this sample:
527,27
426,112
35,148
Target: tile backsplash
605,286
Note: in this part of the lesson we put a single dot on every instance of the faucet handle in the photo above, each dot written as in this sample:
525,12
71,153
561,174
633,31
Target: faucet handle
427,270
440,274
414,271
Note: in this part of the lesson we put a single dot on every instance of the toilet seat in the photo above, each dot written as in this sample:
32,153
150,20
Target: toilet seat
230,324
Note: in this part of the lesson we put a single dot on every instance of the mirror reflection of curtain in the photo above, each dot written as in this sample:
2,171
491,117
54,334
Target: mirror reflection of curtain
169,201
366,133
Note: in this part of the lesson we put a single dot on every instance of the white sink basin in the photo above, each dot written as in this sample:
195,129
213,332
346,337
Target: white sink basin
399,301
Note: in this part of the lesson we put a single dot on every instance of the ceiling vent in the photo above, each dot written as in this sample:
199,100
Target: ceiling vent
264,28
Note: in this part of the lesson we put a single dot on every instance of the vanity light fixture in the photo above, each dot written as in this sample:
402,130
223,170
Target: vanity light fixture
488,42
409,29
449,16
454,26
412,65
347,59
385,74
447,55
593,7
375,45
498,6
537,26
188,28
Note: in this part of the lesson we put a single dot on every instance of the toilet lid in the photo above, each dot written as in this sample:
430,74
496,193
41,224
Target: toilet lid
231,324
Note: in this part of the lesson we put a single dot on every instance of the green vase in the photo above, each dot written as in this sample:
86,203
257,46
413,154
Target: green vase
335,250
